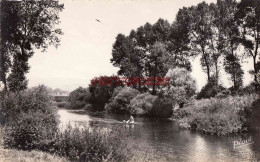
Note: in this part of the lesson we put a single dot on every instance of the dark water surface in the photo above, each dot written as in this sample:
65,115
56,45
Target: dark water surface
171,143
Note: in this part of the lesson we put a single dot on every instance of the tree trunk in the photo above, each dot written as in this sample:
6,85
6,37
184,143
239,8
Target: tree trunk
255,68
3,81
216,66
207,65
255,73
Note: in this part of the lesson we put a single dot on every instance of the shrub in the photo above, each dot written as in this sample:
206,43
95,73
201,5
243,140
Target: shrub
162,107
22,134
61,104
224,93
89,145
119,103
117,91
60,98
218,115
78,98
211,89
249,89
30,117
101,90
142,104
182,86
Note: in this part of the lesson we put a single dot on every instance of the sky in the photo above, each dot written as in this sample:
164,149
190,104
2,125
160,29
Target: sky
86,46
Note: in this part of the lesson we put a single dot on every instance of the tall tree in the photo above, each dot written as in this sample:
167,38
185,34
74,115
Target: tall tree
156,64
233,67
128,57
2,82
229,30
249,18
216,40
179,44
132,54
199,21
28,25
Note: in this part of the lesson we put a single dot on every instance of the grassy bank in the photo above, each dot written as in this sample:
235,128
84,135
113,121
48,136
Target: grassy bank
11,155
219,116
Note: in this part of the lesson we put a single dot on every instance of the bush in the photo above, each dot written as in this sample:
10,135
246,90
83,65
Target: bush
89,145
182,86
162,107
218,115
142,104
78,98
249,89
119,103
223,93
60,98
30,118
23,136
102,89
211,89
61,104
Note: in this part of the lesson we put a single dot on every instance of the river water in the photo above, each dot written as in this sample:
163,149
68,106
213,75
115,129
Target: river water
171,143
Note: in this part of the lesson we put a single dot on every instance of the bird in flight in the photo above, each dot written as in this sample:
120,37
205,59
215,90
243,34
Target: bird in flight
98,20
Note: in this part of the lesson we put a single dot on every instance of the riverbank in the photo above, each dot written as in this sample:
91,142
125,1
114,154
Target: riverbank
11,155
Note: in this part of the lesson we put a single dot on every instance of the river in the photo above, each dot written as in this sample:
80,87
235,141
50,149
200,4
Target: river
171,143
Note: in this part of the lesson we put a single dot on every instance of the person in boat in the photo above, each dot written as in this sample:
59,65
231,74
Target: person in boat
130,121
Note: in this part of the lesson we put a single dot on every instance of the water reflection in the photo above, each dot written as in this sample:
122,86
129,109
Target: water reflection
163,139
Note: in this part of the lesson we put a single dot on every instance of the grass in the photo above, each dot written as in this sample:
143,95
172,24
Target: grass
11,155
219,116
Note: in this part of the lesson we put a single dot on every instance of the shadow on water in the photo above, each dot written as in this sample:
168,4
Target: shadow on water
175,144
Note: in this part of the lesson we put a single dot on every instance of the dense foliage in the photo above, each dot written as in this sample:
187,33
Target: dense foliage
208,31
142,104
162,107
218,115
101,89
149,51
119,103
89,145
211,89
182,86
26,26
30,118
78,98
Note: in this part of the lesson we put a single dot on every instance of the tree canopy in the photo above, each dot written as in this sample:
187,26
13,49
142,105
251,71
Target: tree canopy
26,26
